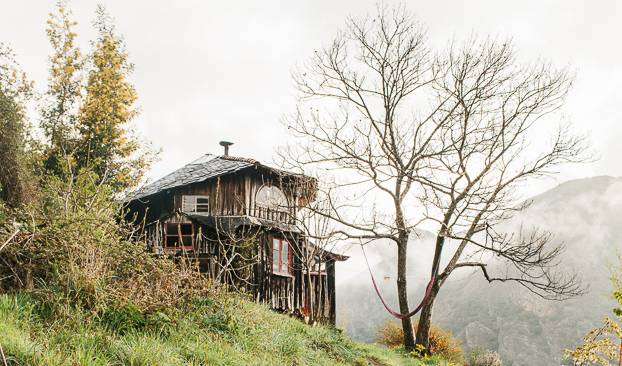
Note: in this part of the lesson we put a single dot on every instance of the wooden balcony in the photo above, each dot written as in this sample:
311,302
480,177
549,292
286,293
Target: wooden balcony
283,215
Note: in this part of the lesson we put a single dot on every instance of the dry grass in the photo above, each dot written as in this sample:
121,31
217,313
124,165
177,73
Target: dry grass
442,342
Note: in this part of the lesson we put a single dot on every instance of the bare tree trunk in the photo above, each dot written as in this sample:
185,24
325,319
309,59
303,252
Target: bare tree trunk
425,318
310,301
425,321
402,293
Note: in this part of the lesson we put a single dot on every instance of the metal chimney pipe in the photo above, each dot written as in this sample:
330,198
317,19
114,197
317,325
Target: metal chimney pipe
226,145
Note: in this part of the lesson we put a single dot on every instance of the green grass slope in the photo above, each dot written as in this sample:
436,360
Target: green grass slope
226,332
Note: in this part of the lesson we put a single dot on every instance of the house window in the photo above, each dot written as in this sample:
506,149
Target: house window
281,256
271,203
271,197
195,203
178,235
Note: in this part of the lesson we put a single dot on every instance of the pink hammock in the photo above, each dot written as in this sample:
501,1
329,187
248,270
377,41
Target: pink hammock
396,314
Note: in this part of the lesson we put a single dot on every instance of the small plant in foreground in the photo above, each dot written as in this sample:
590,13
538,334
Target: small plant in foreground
442,343
603,345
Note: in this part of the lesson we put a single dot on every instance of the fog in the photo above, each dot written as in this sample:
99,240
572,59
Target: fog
211,71
526,330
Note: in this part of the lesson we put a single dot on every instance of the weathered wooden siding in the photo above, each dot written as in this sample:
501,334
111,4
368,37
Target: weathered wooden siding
287,293
227,195
234,195
231,195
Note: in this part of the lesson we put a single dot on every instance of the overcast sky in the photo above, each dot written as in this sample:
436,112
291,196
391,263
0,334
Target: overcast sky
208,71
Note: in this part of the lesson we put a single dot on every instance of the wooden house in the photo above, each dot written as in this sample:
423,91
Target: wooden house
238,219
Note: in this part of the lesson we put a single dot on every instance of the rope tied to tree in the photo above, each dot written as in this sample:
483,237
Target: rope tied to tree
394,313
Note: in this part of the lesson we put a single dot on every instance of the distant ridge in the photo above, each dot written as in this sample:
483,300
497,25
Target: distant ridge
584,214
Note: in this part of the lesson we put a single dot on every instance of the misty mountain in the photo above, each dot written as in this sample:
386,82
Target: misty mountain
583,214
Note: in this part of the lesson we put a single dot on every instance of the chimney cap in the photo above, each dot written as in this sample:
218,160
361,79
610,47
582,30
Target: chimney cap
226,145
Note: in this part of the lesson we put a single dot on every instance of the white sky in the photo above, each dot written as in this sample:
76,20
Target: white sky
208,71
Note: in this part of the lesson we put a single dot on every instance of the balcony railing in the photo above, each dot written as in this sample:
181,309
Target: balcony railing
279,215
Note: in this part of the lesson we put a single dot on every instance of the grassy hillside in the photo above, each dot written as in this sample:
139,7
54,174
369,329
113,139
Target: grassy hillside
225,332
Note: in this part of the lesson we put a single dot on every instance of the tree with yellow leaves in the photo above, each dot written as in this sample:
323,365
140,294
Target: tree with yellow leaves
603,345
107,145
59,114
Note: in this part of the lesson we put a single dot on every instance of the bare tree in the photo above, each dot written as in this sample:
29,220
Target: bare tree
237,254
364,133
473,186
409,136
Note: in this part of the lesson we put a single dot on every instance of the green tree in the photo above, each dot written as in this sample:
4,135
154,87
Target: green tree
16,185
107,145
60,111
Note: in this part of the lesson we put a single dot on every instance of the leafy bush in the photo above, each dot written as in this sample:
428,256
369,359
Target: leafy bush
484,358
391,335
442,342
601,345
69,249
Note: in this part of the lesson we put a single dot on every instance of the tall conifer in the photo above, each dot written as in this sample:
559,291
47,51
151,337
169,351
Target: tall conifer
107,144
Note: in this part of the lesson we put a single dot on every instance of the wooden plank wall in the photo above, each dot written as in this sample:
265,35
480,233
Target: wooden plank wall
283,293
232,194
227,195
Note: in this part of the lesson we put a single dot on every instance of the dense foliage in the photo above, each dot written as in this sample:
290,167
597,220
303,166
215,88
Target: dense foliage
89,105
62,243
106,145
16,184
69,247
59,119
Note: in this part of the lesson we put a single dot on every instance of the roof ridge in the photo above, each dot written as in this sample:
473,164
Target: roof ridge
239,158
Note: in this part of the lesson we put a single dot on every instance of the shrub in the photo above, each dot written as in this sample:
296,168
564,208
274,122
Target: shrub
391,335
484,358
69,249
442,342
129,318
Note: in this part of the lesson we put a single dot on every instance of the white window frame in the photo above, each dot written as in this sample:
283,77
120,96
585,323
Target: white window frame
189,203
